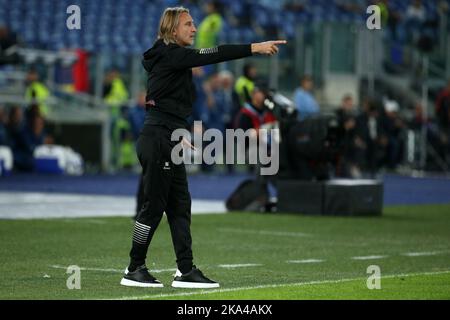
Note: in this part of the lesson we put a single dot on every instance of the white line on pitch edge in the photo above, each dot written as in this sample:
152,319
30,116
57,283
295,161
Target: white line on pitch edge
422,254
306,261
369,257
267,232
242,265
112,270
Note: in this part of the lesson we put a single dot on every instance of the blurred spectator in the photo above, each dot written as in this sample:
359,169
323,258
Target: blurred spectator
346,116
231,98
19,141
3,128
253,115
36,92
219,104
304,100
115,93
246,82
393,127
198,108
31,112
8,41
443,116
123,136
208,31
414,19
210,27
370,140
136,115
36,132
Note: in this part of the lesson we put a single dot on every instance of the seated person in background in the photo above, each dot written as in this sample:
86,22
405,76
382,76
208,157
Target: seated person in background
346,116
36,132
252,116
304,99
20,144
394,127
370,139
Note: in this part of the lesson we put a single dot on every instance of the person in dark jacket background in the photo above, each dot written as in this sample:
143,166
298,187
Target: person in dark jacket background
169,102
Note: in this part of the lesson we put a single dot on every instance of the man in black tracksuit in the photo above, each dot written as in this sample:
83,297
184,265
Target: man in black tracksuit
169,102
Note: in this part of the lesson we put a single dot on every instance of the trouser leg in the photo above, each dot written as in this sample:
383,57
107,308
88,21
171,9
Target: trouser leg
156,184
179,216
139,197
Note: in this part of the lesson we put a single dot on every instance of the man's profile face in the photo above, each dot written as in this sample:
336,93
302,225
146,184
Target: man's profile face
185,31
258,98
253,72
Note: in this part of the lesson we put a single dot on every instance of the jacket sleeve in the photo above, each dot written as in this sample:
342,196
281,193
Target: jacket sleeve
183,58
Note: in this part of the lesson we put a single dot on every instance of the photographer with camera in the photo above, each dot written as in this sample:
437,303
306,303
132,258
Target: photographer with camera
253,115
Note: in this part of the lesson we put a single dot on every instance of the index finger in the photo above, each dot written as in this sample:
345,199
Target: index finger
279,41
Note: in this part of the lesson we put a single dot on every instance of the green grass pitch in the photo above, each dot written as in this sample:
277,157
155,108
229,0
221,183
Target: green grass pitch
253,256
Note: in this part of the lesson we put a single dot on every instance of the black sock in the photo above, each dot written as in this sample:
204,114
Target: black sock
135,264
185,266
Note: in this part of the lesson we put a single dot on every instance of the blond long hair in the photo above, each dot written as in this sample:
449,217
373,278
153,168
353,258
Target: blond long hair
168,22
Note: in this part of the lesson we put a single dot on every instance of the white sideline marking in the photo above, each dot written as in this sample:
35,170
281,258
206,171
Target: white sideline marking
242,265
422,254
369,257
165,295
306,261
112,270
266,232
89,221
39,205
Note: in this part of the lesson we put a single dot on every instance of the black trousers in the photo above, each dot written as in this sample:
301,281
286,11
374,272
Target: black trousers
165,189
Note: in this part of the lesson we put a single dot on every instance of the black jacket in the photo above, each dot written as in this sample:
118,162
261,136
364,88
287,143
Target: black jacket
170,90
